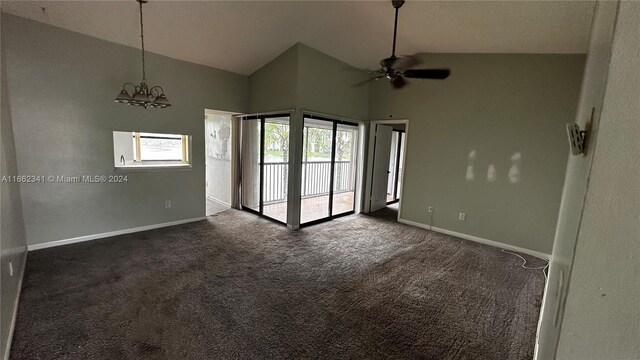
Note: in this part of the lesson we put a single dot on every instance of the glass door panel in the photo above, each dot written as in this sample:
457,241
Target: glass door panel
316,169
250,155
344,180
276,168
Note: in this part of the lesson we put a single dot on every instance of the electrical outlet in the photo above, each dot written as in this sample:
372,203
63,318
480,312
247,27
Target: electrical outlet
167,204
10,268
462,216
430,209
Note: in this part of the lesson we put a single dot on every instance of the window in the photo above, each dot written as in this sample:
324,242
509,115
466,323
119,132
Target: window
141,149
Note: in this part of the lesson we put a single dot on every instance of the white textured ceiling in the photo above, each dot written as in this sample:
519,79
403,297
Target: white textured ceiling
242,36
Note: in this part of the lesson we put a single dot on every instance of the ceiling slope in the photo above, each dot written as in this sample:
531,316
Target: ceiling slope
241,36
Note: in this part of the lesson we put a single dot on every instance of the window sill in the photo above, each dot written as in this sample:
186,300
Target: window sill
158,167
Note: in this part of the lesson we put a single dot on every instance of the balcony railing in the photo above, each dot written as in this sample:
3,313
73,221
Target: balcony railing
315,179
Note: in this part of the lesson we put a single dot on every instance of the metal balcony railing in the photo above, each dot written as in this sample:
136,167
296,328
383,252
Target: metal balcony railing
316,177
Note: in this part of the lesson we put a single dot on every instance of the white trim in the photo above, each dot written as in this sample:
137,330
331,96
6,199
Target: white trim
220,202
368,181
363,130
220,112
288,111
477,239
153,168
109,234
331,117
7,351
543,305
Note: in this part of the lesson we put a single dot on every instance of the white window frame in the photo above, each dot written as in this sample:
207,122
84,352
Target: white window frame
138,164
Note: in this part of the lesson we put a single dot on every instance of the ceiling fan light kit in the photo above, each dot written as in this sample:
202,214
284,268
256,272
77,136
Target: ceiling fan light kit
396,69
142,94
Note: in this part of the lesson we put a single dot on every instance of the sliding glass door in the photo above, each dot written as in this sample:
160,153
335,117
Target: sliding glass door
328,169
265,165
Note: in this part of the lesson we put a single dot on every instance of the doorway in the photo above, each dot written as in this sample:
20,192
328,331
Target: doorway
218,159
329,169
387,146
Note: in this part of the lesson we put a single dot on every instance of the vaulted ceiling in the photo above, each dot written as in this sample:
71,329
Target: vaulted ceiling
242,36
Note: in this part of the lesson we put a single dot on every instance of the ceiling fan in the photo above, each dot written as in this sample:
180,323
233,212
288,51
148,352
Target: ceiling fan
396,69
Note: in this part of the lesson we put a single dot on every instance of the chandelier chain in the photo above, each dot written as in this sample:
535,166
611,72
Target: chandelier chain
144,77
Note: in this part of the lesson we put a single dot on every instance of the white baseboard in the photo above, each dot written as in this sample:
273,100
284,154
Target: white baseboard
12,327
218,201
109,234
478,239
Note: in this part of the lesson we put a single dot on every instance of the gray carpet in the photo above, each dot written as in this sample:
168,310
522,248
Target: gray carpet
239,287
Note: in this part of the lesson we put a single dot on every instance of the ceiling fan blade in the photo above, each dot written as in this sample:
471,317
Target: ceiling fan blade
405,62
439,74
398,82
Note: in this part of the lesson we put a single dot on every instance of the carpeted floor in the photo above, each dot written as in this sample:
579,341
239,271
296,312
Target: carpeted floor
239,287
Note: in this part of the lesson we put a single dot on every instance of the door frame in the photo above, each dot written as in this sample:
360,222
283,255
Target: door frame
396,171
366,208
335,122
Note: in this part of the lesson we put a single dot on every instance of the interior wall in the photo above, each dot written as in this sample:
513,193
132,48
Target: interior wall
274,86
12,239
576,178
304,78
328,85
601,319
489,141
68,130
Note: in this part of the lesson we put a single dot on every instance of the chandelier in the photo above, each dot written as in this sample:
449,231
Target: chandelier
143,95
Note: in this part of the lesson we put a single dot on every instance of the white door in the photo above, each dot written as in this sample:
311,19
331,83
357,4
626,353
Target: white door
381,155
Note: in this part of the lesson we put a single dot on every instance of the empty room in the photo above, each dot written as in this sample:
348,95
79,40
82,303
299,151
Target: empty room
320,179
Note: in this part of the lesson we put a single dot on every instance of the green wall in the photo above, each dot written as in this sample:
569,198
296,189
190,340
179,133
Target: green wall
60,90
331,86
496,105
274,86
13,246
303,78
